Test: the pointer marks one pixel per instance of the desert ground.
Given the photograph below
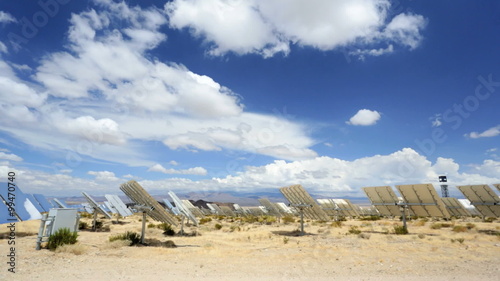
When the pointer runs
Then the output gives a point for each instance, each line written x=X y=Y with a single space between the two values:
x=464 y=249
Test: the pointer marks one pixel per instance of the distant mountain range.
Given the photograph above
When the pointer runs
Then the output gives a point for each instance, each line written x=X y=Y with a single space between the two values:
x=243 y=199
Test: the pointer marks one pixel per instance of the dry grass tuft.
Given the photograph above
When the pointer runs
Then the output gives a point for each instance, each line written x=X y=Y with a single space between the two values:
x=460 y=228
x=76 y=249
x=419 y=223
x=336 y=224
x=364 y=236
x=117 y=244
x=288 y=219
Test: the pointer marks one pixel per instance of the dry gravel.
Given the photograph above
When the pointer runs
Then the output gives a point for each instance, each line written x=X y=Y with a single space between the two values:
x=265 y=252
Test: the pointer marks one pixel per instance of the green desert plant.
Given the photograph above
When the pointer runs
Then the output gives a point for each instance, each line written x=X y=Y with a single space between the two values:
x=83 y=225
x=250 y=219
x=205 y=220
x=400 y=230
x=354 y=230
x=459 y=228
x=370 y=218
x=234 y=228
x=336 y=224
x=61 y=237
x=218 y=226
x=85 y=215
x=133 y=237
x=288 y=219
x=470 y=225
x=436 y=226
x=167 y=229
x=364 y=235
x=267 y=220
x=98 y=225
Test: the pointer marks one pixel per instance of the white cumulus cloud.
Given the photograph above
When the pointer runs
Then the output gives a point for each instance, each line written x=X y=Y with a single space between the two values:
x=191 y=171
x=320 y=175
x=364 y=117
x=10 y=157
x=491 y=132
x=104 y=130
x=267 y=27
x=105 y=176
x=6 y=17
x=105 y=96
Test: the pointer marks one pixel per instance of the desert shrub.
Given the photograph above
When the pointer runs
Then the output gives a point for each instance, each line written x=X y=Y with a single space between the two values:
x=354 y=230
x=470 y=225
x=400 y=230
x=285 y=240
x=419 y=223
x=167 y=229
x=421 y=236
x=98 y=225
x=267 y=220
x=133 y=237
x=86 y=215
x=459 y=228
x=250 y=219
x=220 y=217
x=218 y=226
x=61 y=237
x=370 y=218
x=234 y=228
x=288 y=219
x=151 y=225
x=436 y=226
x=489 y=219
x=364 y=235
x=205 y=220
x=336 y=224
x=83 y=225
x=169 y=244
x=446 y=224
x=490 y=232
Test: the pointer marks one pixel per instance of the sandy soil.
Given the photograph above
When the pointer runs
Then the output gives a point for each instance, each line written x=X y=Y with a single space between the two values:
x=253 y=251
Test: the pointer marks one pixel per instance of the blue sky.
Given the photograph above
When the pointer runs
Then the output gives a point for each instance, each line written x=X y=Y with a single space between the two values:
x=244 y=96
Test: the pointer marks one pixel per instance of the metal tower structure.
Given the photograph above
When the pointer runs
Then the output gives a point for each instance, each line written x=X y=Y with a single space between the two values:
x=444 y=186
